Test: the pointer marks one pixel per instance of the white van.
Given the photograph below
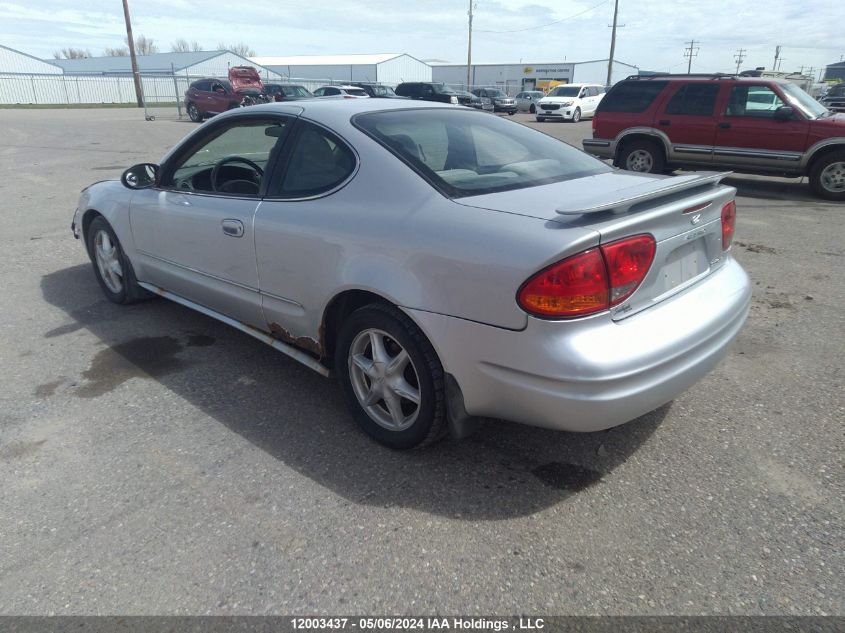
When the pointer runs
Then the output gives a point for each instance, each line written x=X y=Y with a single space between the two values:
x=570 y=102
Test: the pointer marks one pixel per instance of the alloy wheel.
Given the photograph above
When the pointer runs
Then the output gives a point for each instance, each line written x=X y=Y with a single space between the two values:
x=107 y=256
x=384 y=379
x=833 y=177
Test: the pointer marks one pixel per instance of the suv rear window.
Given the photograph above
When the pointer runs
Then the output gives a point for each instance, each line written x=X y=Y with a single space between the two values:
x=631 y=96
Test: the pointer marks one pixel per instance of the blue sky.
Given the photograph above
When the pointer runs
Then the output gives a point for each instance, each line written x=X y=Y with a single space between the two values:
x=653 y=37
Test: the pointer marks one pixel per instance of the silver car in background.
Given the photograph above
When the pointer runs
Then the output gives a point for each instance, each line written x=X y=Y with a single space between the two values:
x=443 y=264
x=527 y=101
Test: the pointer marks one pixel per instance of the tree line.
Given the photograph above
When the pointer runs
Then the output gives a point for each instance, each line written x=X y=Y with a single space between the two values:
x=147 y=46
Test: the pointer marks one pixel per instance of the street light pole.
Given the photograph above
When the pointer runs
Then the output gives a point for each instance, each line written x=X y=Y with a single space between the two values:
x=139 y=93
x=612 y=44
x=469 y=46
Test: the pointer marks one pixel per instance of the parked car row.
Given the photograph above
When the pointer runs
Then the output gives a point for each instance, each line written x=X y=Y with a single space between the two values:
x=745 y=124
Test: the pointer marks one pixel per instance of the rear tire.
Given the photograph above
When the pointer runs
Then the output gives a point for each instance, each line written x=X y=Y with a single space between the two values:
x=827 y=177
x=532 y=109
x=642 y=156
x=194 y=113
x=112 y=268
x=391 y=378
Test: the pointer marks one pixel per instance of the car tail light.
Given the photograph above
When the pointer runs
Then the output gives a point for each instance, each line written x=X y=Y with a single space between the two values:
x=589 y=282
x=728 y=224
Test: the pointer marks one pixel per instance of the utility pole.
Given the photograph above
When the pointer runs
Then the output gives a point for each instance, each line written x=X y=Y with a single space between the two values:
x=691 y=51
x=740 y=55
x=612 y=44
x=777 y=57
x=139 y=93
x=469 y=46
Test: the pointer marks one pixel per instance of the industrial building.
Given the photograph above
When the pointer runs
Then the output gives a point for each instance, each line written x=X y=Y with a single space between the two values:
x=513 y=78
x=835 y=71
x=192 y=64
x=12 y=61
x=386 y=68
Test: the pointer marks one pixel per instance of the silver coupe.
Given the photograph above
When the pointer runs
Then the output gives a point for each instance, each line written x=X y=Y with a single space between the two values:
x=443 y=264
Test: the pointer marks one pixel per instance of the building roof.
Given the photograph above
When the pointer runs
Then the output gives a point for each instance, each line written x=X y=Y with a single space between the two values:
x=590 y=61
x=159 y=62
x=325 y=60
x=51 y=62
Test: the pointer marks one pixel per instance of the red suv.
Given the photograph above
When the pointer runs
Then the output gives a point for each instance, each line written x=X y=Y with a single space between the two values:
x=208 y=97
x=744 y=124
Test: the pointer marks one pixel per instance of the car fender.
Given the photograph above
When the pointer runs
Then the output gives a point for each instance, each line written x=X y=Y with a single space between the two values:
x=110 y=199
x=814 y=149
x=642 y=131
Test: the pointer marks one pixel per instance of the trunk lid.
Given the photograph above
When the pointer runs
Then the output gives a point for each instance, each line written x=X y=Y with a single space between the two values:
x=682 y=213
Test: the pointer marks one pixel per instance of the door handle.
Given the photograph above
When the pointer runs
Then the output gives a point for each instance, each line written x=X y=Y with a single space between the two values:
x=724 y=126
x=664 y=122
x=233 y=228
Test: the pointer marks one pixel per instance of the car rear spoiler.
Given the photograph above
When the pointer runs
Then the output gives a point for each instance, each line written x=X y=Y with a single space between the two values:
x=622 y=200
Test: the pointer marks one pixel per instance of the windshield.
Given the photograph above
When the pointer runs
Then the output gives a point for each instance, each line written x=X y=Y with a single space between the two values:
x=802 y=101
x=836 y=91
x=565 y=91
x=295 y=91
x=467 y=153
x=383 y=91
x=496 y=93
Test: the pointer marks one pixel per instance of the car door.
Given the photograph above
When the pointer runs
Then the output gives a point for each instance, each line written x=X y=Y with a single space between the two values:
x=218 y=98
x=749 y=134
x=194 y=233
x=686 y=116
x=295 y=228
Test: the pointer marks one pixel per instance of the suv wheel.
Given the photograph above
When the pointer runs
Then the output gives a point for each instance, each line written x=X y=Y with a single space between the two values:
x=532 y=109
x=576 y=116
x=642 y=156
x=194 y=113
x=827 y=177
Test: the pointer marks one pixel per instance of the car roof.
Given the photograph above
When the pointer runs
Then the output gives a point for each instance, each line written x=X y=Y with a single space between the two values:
x=706 y=78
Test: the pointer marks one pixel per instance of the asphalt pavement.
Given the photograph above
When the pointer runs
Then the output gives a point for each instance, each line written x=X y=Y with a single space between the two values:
x=155 y=461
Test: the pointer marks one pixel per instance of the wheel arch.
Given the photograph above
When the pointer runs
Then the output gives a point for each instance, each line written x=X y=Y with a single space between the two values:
x=339 y=307
x=640 y=134
x=820 y=150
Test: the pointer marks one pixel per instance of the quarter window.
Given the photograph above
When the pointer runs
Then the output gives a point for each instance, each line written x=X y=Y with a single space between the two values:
x=631 y=96
x=319 y=162
x=694 y=100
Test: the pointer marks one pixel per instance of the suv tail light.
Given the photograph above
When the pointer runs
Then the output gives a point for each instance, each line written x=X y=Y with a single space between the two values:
x=728 y=224
x=595 y=117
x=589 y=282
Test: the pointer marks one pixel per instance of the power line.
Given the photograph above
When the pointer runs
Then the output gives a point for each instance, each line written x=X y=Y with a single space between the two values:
x=540 y=26
x=740 y=55
x=690 y=52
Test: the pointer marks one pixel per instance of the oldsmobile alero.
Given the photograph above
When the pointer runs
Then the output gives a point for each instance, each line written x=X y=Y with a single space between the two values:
x=444 y=264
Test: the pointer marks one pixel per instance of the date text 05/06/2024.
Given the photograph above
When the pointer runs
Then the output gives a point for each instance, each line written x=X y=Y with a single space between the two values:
x=418 y=623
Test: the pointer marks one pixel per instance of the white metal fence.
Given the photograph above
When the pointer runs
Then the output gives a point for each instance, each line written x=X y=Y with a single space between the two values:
x=163 y=90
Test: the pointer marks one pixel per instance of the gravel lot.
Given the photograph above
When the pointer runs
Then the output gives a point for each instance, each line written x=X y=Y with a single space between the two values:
x=155 y=461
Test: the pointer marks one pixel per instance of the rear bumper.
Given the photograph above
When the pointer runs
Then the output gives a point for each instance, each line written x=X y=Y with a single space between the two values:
x=593 y=373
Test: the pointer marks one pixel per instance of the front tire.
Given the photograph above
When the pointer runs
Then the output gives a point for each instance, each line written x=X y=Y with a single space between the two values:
x=642 y=156
x=576 y=116
x=827 y=177
x=111 y=266
x=194 y=113
x=391 y=378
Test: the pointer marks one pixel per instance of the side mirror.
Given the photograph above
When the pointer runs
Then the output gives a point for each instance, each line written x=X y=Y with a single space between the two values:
x=784 y=113
x=140 y=176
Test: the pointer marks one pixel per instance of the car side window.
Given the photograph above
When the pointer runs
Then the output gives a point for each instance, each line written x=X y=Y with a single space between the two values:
x=217 y=87
x=232 y=161
x=694 y=100
x=318 y=162
x=631 y=96
x=754 y=101
x=332 y=91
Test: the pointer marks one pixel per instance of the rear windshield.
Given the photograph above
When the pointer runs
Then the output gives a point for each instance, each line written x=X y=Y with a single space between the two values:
x=565 y=91
x=467 y=152
x=631 y=96
x=295 y=91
